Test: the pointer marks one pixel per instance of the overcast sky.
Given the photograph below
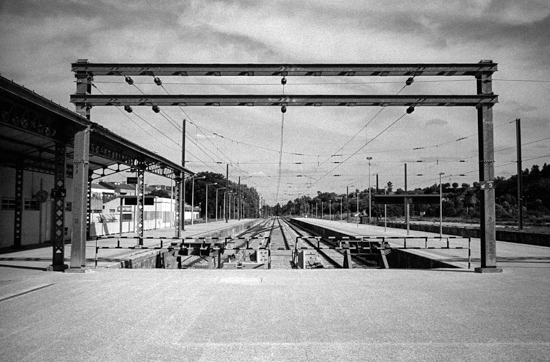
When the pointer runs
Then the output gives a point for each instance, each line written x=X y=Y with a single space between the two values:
x=40 y=39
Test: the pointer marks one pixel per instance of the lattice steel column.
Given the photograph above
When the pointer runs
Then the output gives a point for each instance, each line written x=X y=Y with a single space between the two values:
x=486 y=177
x=140 y=201
x=177 y=209
x=58 y=195
x=18 y=222
x=81 y=160
x=89 y=205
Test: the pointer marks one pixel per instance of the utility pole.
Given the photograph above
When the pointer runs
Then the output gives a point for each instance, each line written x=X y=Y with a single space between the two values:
x=406 y=203
x=226 y=190
x=347 y=199
x=182 y=203
x=239 y=202
x=370 y=202
x=520 y=175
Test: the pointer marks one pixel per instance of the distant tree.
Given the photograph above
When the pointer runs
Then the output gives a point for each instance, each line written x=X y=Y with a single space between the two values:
x=160 y=193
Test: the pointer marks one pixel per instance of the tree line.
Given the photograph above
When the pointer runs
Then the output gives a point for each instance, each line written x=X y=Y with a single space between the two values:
x=459 y=200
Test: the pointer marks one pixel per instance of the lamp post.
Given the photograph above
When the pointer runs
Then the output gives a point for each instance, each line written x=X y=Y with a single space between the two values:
x=385 y=211
x=357 y=197
x=193 y=196
x=370 y=208
x=440 y=205
x=206 y=211
x=347 y=199
x=218 y=189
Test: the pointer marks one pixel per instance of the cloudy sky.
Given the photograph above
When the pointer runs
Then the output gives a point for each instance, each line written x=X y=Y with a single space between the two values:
x=40 y=39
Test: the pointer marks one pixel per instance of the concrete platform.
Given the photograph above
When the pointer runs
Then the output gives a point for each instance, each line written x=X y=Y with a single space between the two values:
x=41 y=258
x=508 y=254
x=278 y=315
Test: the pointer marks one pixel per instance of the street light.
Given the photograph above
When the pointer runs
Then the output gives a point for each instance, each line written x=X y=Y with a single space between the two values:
x=347 y=198
x=193 y=196
x=370 y=208
x=341 y=198
x=218 y=189
x=206 y=212
x=385 y=211
x=440 y=206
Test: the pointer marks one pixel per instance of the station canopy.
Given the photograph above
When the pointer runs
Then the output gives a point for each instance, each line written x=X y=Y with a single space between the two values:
x=31 y=125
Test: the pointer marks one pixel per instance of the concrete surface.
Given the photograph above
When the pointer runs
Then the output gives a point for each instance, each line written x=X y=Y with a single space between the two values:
x=277 y=315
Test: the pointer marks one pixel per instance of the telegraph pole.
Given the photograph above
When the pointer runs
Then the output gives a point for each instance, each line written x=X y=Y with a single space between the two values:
x=182 y=202
x=520 y=175
x=226 y=189
x=406 y=202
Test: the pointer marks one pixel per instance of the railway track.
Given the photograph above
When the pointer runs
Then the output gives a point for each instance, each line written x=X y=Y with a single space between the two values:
x=285 y=253
x=290 y=247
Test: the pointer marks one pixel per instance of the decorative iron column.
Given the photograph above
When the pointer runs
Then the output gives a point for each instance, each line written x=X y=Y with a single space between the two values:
x=58 y=195
x=18 y=222
x=140 y=201
x=486 y=176
x=89 y=204
x=178 y=208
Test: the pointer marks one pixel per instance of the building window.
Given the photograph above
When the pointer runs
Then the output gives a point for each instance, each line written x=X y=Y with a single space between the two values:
x=31 y=204
x=8 y=203
x=126 y=216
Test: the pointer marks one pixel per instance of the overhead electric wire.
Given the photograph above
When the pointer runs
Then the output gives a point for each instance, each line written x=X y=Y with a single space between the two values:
x=230 y=161
x=362 y=128
x=365 y=145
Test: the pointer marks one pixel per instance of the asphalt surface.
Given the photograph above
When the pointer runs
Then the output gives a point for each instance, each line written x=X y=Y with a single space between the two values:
x=279 y=315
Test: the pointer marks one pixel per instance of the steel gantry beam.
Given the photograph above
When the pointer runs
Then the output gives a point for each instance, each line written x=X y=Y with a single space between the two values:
x=91 y=100
x=175 y=69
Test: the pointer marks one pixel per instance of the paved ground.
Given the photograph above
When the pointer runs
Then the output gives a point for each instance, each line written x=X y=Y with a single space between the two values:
x=277 y=315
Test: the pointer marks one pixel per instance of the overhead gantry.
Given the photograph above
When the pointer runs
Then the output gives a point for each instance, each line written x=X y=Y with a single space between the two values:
x=483 y=100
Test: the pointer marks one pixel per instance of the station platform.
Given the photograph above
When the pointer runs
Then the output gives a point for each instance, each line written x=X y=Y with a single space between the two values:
x=280 y=315
x=508 y=253
x=40 y=258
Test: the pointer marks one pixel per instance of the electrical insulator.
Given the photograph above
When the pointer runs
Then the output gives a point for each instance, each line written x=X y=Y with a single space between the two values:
x=158 y=81
x=129 y=80
x=283 y=109
x=128 y=109
x=283 y=81
x=410 y=109
x=156 y=109
x=409 y=81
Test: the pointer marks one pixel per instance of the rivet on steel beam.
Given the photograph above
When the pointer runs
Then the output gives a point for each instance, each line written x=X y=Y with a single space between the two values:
x=129 y=80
